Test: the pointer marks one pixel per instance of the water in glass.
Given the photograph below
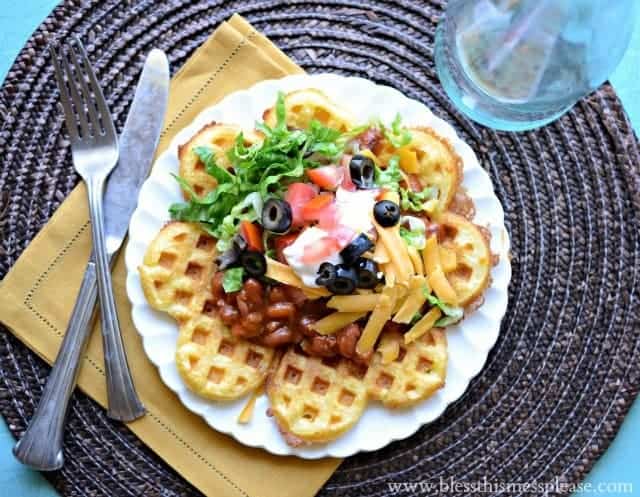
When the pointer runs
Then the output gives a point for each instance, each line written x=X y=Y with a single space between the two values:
x=519 y=64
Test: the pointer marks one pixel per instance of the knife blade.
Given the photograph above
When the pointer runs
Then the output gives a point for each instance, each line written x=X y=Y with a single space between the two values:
x=137 y=143
x=41 y=444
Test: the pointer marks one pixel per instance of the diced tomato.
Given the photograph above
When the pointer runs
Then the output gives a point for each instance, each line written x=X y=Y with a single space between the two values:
x=252 y=233
x=282 y=242
x=298 y=195
x=328 y=217
x=320 y=250
x=345 y=160
x=321 y=209
x=343 y=234
x=327 y=177
x=347 y=184
x=316 y=205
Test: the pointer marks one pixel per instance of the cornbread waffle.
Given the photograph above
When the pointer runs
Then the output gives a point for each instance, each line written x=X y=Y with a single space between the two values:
x=470 y=276
x=303 y=106
x=176 y=275
x=417 y=373
x=313 y=399
x=438 y=163
x=220 y=138
x=317 y=400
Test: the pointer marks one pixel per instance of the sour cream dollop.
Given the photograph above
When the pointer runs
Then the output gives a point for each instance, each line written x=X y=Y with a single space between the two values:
x=355 y=208
x=308 y=272
x=353 y=211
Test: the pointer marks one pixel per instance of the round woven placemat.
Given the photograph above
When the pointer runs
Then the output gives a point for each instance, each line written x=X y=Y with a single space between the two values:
x=563 y=374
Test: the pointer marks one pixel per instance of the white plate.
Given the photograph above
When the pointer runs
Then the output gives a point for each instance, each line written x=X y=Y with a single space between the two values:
x=469 y=342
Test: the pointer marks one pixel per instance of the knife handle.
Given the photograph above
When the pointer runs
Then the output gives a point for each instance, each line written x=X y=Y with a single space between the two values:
x=41 y=444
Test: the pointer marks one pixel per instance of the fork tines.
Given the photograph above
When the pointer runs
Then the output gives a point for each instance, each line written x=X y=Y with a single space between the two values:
x=80 y=94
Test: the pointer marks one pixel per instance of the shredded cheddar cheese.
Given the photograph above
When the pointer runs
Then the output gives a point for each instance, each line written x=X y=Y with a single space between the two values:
x=336 y=321
x=285 y=274
x=354 y=303
x=377 y=320
x=435 y=275
x=247 y=411
x=414 y=301
x=421 y=327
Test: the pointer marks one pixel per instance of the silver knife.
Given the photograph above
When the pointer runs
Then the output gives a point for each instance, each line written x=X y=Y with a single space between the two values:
x=40 y=447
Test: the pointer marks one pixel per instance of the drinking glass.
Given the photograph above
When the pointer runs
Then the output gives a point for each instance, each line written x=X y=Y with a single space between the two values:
x=519 y=64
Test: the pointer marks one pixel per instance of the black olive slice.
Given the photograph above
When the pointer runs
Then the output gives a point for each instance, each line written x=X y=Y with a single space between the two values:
x=362 y=170
x=358 y=246
x=276 y=216
x=344 y=282
x=387 y=213
x=326 y=273
x=368 y=273
x=253 y=262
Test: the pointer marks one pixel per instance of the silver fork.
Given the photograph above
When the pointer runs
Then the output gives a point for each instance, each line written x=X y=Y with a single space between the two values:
x=94 y=148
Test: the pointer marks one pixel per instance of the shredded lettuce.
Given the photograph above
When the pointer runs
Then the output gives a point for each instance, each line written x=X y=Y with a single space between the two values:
x=452 y=314
x=414 y=201
x=250 y=209
x=412 y=231
x=446 y=321
x=390 y=176
x=260 y=171
x=208 y=210
x=398 y=135
x=232 y=281
x=414 y=238
x=208 y=158
x=324 y=141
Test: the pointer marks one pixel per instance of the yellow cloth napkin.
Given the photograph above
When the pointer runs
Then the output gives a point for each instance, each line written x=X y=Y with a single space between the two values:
x=37 y=296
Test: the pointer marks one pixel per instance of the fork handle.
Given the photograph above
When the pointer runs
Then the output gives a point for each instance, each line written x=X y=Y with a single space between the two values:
x=123 y=401
x=41 y=444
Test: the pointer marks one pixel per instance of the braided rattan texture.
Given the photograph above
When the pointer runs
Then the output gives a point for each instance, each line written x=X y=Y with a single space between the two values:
x=564 y=372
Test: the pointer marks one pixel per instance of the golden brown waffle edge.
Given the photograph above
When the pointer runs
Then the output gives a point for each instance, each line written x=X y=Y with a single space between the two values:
x=176 y=275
